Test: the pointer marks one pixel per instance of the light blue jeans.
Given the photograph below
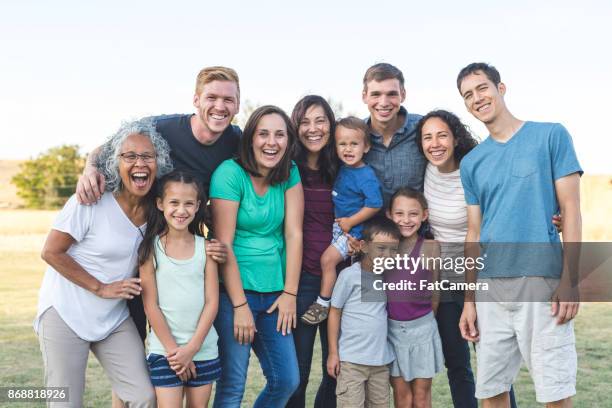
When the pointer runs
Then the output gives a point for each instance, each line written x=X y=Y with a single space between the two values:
x=276 y=354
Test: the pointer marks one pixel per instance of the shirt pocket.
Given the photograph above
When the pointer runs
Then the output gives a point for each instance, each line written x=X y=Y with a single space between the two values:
x=523 y=168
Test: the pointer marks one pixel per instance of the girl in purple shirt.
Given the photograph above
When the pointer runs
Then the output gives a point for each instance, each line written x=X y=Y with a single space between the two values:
x=412 y=329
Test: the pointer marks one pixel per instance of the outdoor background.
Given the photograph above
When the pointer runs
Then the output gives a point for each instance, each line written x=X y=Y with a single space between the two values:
x=72 y=71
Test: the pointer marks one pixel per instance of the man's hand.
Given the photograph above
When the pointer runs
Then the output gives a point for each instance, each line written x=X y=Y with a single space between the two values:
x=90 y=186
x=333 y=365
x=565 y=303
x=467 y=323
x=217 y=250
x=345 y=224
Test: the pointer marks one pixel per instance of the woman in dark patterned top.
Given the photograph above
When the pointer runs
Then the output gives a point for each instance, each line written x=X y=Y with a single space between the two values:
x=317 y=161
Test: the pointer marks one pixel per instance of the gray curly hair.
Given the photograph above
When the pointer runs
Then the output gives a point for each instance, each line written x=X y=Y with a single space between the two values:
x=107 y=161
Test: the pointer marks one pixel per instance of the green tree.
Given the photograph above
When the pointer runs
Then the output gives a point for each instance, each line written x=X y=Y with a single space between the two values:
x=50 y=179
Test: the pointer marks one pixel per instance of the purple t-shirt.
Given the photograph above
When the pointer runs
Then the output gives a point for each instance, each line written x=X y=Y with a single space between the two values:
x=408 y=304
x=318 y=219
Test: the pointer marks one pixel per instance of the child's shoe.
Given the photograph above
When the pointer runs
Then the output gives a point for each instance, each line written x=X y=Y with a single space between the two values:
x=315 y=314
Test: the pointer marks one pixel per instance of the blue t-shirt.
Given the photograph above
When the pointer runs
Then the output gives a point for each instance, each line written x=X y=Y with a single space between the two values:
x=355 y=188
x=514 y=185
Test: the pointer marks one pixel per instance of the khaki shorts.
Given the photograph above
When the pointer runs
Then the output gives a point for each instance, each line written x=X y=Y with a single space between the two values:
x=511 y=332
x=362 y=386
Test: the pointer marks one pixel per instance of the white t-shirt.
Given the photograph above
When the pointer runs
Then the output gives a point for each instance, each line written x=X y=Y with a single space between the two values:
x=106 y=247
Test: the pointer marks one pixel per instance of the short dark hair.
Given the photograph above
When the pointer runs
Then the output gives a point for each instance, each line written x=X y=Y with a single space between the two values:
x=380 y=72
x=489 y=70
x=461 y=133
x=246 y=156
x=328 y=159
x=380 y=225
x=354 y=123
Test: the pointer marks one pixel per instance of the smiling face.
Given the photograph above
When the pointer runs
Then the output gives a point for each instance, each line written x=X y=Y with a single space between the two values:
x=351 y=145
x=482 y=98
x=216 y=106
x=179 y=204
x=137 y=177
x=438 y=144
x=314 y=128
x=269 y=142
x=408 y=214
x=384 y=99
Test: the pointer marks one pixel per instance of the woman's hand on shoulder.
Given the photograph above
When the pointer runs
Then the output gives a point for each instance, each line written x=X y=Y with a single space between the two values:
x=353 y=245
x=287 y=314
x=217 y=250
x=122 y=289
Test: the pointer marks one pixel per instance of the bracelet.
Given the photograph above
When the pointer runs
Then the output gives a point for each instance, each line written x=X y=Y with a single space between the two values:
x=289 y=293
x=240 y=305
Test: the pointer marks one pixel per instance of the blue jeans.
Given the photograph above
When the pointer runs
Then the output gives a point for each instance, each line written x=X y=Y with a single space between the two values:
x=457 y=353
x=304 y=337
x=276 y=354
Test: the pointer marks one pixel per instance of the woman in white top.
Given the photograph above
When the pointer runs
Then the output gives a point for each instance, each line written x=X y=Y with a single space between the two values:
x=92 y=257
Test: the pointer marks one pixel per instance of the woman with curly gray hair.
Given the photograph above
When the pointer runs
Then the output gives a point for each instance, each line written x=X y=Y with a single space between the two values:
x=92 y=254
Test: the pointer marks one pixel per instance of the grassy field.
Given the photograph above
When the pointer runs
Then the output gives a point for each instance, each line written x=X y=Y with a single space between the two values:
x=23 y=232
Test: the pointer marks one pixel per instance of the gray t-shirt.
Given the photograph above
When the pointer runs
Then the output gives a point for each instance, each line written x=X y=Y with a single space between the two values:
x=363 y=328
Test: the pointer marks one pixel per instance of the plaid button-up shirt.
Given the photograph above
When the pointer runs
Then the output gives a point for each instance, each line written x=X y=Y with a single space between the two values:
x=401 y=164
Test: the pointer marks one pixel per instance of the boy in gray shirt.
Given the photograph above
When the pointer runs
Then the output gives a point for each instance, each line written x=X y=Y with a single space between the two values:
x=357 y=329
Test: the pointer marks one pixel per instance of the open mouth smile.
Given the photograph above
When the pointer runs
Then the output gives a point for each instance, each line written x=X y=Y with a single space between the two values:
x=140 y=179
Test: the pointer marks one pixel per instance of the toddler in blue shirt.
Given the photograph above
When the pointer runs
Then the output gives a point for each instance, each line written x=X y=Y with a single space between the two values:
x=357 y=197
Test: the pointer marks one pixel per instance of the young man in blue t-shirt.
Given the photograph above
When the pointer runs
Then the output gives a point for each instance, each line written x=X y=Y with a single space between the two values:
x=514 y=182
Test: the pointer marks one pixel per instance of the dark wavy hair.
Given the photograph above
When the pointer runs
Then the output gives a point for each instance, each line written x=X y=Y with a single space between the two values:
x=328 y=159
x=246 y=156
x=461 y=133
x=425 y=230
x=156 y=223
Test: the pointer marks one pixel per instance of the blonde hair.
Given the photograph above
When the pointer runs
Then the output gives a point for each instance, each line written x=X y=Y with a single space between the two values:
x=217 y=73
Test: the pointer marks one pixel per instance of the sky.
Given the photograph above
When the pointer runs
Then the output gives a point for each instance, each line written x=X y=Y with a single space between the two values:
x=72 y=71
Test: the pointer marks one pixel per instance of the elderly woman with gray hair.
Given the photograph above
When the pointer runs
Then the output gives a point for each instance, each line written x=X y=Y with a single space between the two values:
x=92 y=257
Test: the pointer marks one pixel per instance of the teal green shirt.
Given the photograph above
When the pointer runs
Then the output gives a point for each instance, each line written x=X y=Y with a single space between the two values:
x=259 y=243
x=180 y=295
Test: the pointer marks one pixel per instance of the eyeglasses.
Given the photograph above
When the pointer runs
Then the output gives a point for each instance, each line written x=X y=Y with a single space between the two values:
x=131 y=157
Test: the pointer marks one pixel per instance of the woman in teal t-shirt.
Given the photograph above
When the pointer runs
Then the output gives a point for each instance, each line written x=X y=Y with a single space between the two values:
x=258 y=205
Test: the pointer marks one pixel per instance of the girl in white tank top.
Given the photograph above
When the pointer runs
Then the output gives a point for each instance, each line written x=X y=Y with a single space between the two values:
x=180 y=291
